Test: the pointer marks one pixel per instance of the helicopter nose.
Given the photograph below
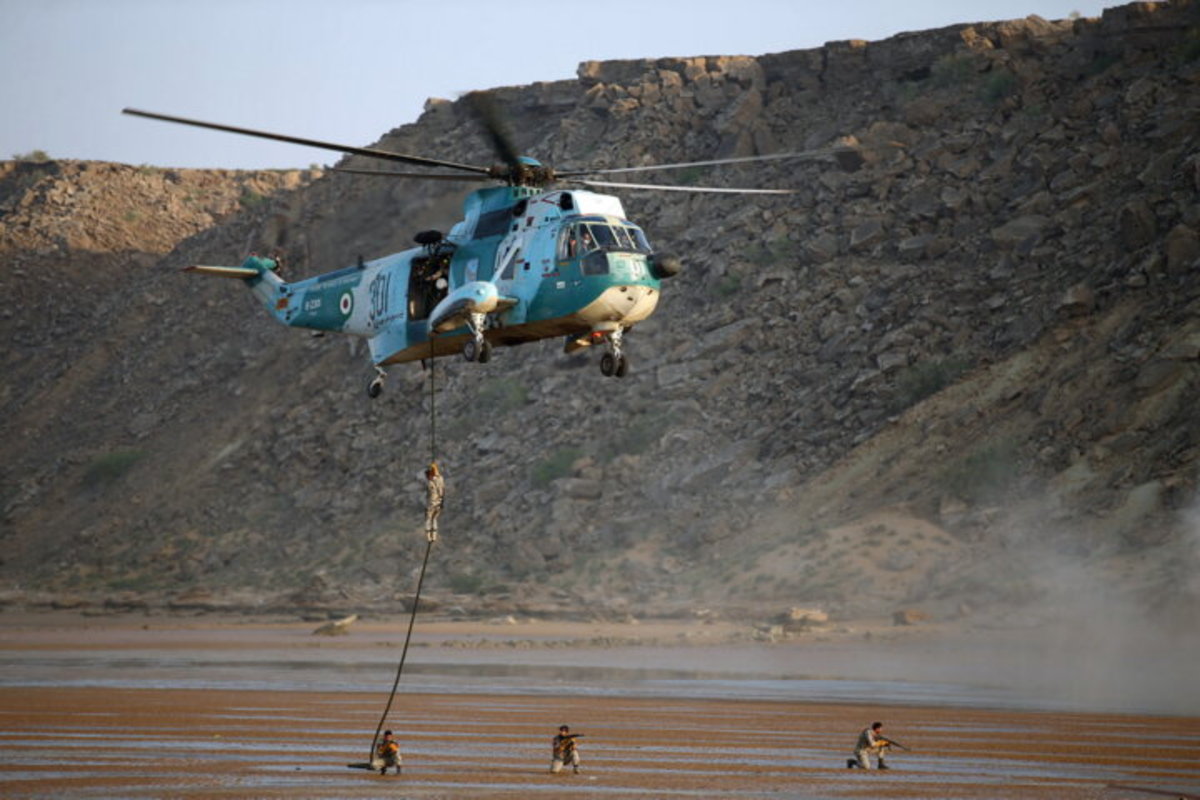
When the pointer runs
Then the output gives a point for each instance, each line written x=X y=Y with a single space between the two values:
x=623 y=304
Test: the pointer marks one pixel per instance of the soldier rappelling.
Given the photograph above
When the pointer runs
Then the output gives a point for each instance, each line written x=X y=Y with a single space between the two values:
x=435 y=498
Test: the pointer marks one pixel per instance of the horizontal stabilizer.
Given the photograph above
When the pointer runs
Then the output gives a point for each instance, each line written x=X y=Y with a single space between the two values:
x=224 y=272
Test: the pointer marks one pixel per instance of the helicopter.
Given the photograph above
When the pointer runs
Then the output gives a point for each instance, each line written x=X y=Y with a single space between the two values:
x=528 y=261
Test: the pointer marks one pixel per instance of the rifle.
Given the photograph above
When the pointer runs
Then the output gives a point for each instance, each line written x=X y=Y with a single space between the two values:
x=890 y=742
x=568 y=741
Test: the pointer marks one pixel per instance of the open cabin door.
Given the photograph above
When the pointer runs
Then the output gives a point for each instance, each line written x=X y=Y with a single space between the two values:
x=428 y=284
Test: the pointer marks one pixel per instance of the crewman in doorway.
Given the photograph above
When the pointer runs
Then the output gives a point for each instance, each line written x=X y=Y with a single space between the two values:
x=565 y=750
x=435 y=497
x=387 y=754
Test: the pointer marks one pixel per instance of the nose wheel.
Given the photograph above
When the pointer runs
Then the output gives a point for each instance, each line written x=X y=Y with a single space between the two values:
x=480 y=351
x=613 y=362
x=611 y=365
x=477 y=348
x=375 y=387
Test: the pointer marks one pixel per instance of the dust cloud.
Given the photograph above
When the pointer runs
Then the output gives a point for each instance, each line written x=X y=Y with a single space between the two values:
x=1116 y=632
x=1050 y=622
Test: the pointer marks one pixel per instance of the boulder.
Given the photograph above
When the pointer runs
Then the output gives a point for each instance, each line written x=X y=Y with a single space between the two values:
x=337 y=627
x=1136 y=224
x=797 y=619
x=1077 y=301
x=1182 y=249
x=909 y=616
x=866 y=235
x=1020 y=230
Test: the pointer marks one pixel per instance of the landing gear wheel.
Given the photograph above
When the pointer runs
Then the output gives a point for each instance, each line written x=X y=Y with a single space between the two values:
x=375 y=388
x=608 y=365
x=622 y=367
x=470 y=350
x=485 y=352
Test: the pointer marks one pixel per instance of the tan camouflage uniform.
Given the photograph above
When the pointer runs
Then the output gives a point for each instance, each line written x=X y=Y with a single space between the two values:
x=435 y=497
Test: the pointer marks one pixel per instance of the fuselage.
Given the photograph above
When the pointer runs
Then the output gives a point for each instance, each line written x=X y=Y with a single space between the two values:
x=539 y=264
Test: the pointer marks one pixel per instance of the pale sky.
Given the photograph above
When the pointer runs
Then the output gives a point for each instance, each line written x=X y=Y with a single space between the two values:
x=348 y=71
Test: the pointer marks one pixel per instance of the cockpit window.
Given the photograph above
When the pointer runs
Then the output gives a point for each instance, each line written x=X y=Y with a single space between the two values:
x=604 y=235
x=587 y=242
x=639 y=238
x=595 y=263
x=624 y=240
x=628 y=238
x=584 y=237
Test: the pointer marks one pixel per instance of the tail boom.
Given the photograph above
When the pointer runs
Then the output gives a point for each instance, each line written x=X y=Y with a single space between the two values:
x=259 y=275
x=223 y=272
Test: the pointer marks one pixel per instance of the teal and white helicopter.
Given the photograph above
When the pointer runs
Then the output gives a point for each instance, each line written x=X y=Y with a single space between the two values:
x=528 y=261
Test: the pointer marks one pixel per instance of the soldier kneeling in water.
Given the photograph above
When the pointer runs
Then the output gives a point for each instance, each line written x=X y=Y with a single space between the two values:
x=870 y=741
x=387 y=754
x=565 y=750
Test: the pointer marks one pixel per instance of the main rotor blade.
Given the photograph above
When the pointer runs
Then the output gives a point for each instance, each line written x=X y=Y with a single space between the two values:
x=483 y=107
x=434 y=176
x=279 y=137
x=670 y=187
x=805 y=154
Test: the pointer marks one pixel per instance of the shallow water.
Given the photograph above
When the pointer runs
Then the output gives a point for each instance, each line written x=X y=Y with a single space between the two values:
x=215 y=744
x=1002 y=670
x=281 y=715
x=463 y=674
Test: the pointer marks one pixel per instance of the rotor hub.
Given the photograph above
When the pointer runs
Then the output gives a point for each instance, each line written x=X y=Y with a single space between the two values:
x=521 y=174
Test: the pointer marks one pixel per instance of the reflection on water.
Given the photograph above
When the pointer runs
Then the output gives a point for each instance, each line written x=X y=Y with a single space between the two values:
x=202 y=670
x=961 y=674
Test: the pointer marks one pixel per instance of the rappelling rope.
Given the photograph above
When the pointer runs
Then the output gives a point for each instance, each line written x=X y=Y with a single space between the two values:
x=412 y=618
x=403 y=653
x=432 y=406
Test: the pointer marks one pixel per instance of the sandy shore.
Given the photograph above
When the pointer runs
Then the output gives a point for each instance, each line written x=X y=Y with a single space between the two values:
x=83 y=728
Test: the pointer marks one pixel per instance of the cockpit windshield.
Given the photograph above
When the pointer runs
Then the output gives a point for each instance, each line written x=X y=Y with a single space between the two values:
x=581 y=238
x=603 y=235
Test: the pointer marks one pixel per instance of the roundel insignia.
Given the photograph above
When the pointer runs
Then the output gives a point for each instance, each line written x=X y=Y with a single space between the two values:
x=346 y=304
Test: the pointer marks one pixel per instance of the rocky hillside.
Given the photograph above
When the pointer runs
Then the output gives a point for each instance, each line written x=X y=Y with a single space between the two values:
x=962 y=376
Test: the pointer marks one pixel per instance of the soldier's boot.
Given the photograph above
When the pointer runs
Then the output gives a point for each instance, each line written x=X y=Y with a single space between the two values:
x=883 y=765
x=851 y=763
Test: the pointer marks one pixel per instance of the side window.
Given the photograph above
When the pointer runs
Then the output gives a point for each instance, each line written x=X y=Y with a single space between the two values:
x=511 y=266
x=493 y=223
x=568 y=244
